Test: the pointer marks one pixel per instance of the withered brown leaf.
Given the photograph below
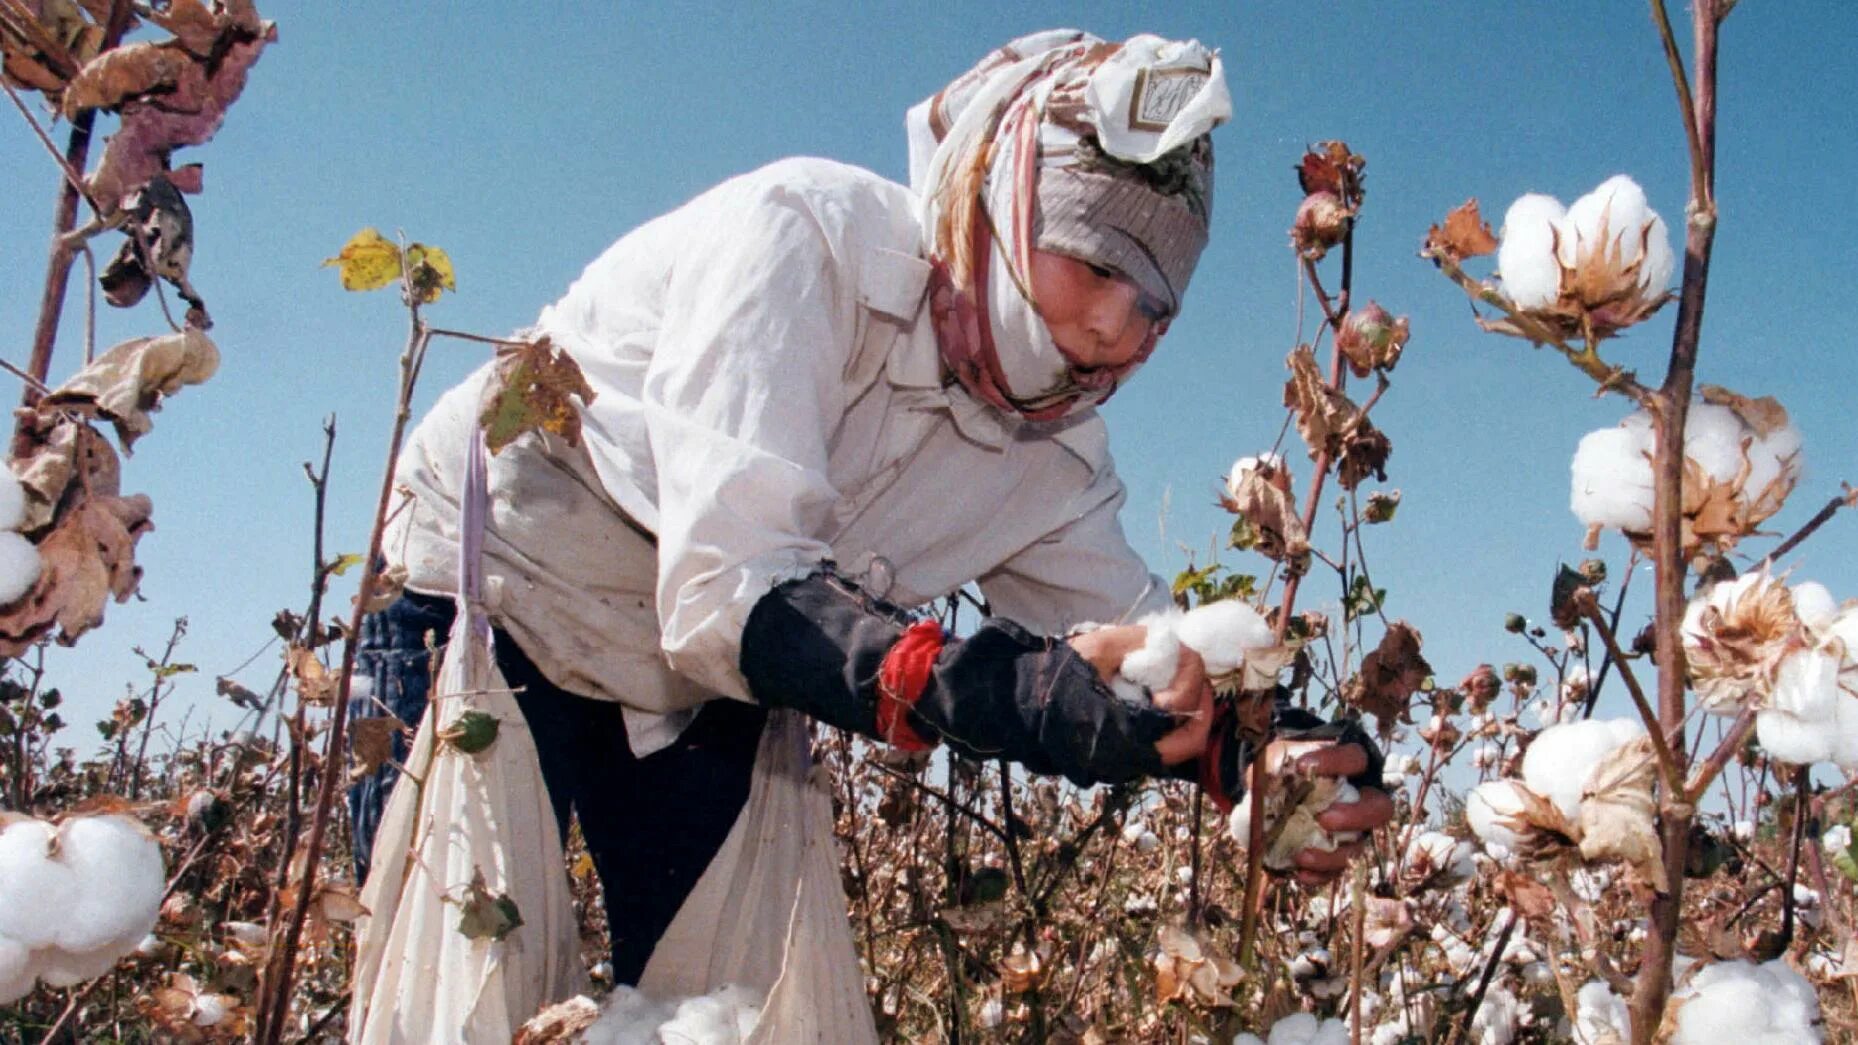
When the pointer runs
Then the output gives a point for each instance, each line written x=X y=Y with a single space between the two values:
x=126 y=383
x=1765 y=415
x=1465 y=234
x=1389 y=675
x=371 y=742
x=63 y=459
x=536 y=383
x=88 y=558
x=1262 y=497
x=1617 y=812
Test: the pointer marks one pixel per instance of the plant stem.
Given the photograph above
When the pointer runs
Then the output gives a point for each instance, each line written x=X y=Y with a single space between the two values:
x=1672 y=404
x=1661 y=743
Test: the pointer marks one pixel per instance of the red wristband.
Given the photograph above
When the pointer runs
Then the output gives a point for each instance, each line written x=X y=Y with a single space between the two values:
x=901 y=679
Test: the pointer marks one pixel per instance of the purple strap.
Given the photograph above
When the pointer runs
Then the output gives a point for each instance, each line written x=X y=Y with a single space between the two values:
x=473 y=510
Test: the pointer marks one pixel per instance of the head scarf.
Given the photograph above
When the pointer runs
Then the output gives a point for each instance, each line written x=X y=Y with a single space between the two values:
x=1062 y=142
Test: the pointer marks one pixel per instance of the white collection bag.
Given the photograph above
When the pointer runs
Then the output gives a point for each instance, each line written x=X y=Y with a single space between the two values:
x=767 y=914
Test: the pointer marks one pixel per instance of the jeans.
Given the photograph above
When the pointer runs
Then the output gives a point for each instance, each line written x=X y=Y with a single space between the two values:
x=651 y=824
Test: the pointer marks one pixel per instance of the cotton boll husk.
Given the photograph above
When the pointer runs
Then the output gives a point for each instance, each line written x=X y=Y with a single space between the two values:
x=20 y=566
x=1713 y=439
x=1612 y=480
x=1615 y=213
x=1245 y=466
x=119 y=881
x=1526 y=255
x=16 y=972
x=1153 y=666
x=1562 y=757
x=1485 y=804
x=1221 y=632
x=1813 y=604
x=36 y=892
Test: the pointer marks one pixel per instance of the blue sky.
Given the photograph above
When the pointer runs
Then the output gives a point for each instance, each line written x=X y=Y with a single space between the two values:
x=525 y=137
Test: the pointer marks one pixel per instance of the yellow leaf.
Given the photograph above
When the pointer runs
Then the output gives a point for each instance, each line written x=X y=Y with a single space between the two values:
x=368 y=261
x=430 y=271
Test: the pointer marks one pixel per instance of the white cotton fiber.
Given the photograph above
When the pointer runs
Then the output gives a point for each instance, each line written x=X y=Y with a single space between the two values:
x=1741 y=1001
x=1660 y=263
x=119 y=877
x=20 y=566
x=1495 y=1022
x=61 y=968
x=15 y=971
x=1713 y=438
x=1153 y=666
x=1221 y=632
x=1300 y=1028
x=1485 y=807
x=1771 y=456
x=1561 y=758
x=1245 y=466
x=12 y=501
x=35 y=890
x=1813 y=604
x=1438 y=853
x=725 y=1016
x=1612 y=484
x=1526 y=255
x=1602 y=1015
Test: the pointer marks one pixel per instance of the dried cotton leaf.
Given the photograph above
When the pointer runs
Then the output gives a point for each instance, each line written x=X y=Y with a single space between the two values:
x=1464 y=234
x=1617 y=813
x=535 y=388
x=127 y=383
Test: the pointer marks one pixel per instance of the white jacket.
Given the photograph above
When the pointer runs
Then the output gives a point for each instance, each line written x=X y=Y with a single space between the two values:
x=768 y=395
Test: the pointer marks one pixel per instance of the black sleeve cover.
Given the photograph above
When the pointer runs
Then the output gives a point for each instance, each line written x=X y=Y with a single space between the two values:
x=816 y=644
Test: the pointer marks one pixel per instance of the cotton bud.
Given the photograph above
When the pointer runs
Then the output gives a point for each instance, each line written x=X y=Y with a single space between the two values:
x=20 y=566
x=1322 y=220
x=1371 y=339
x=1562 y=758
x=12 y=501
x=1490 y=809
x=1836 y=839
x=1485 y=757
x=1810 y=716
x=1480 y=687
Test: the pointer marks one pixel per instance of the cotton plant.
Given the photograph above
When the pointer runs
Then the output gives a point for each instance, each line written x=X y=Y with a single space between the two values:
x=1605 y=261
x=1789 y=652
x=1741 y=460
x=75 y=897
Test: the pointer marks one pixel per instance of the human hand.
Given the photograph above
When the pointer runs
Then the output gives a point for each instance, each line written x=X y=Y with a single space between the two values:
x=1372 y=809
x=1189 y=697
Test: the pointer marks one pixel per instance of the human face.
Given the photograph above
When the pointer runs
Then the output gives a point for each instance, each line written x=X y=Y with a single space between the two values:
x=1098 y=317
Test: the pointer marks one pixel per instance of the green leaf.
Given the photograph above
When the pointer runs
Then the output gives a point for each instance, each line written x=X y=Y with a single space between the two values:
x=1191 y=579
x=487 y=915
x=341 y=564
x=168 y=671
x=471 y=732
x=369 y=261
x=1244 y=535
x=1362 y=600
x=1236 y=586
x=1381 y=507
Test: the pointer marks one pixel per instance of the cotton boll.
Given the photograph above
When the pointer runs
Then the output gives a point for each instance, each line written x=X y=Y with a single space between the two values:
x=1713 y=439
x=1738 y=1000
x=20 y=566
x=1660 y=262
x=1610 y=217
x=1487 y=804
x=1792 y=739
x=1612 y=480
x=1771 y=457
x=1301 y=1028
x=1562 y=757
x=1247 y=1038
x=62 y=968
x=1436 y=853
x=1221 y=632
x=120 y=880
x=1495 y=1022
x=1807 y=684
x=1602 y=1015
x=36 y=891
x=627 y=1017
x=16 y=972
x=1526 y=256
x=1814 y=605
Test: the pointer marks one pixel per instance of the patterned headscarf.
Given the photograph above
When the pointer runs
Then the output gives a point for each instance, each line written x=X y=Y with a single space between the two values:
x=1061 y=142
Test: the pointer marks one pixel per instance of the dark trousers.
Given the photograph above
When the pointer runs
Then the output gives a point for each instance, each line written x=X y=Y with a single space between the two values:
x=651 y=824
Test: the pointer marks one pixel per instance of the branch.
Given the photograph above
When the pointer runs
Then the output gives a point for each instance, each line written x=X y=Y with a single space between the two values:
x=1589 y=608
x=1700 y=189
x=1848 y=499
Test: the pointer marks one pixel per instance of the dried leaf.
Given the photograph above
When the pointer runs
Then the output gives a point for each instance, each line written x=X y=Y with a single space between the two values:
x=1389 y=675
x=1617 y=812
x=1364 y=452
x=195 y=27
x=535 y=389
x=1531 y=898
x=126 y=72
x=1261 y=497
x=1564 y=595
x=368 y=261
x=127 y=383
x=559 y=1023
x=1322 y=413
x=486 y=915
x=1331 y=167
x=388 y=586
x=371 y=743
x=158 y=241
x=1021 y=971
x=337 y=901
x=88 y=557
x=1465 y=234
x=315 y=686
x=63 y=459
x=187 y=114
x=341 y=564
